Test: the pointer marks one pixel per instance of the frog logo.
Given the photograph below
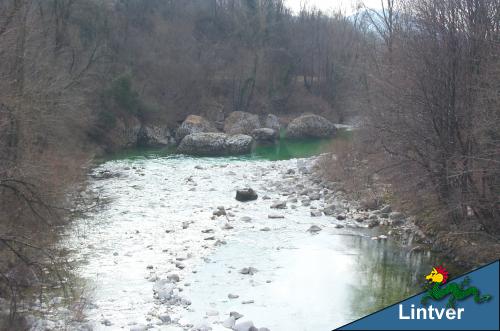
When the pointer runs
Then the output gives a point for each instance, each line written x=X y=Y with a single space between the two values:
x=436 y=290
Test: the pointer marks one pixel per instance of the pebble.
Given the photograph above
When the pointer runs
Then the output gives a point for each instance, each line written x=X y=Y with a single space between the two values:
x=314 y=196
x=243 y=326
x=233 y=296
x=248 y=271
x=227 y=226
x=265 y=229
x=236 y=315
x=314 y=229
x=329 y=210
x=279 y=205
x=275 y=216
x=246 y=302
x=173 y=278
x=316 y=213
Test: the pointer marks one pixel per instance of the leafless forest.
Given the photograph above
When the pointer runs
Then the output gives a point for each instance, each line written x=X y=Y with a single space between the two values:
x=421 y=80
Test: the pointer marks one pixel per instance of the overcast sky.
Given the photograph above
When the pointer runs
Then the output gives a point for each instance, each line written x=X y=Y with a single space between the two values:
x=347 y=6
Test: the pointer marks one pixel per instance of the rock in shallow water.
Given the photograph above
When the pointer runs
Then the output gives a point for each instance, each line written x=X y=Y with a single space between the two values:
x=246 y=219
x=173 y=278
x=236 y=315
x=239 y=144
x=329 y=210
x=314 y=229
x=248 y=271
x=316 y=213
x=310 y=126
x=165 y=318
x=265 y=135
x=246 y=194
x=215 y=144
x=244 y=326
x=279 y=205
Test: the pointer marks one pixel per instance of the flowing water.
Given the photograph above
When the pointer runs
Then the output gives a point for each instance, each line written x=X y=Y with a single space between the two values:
x=156 y=219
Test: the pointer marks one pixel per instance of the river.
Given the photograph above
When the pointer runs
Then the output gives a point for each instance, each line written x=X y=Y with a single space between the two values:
x=156 y=222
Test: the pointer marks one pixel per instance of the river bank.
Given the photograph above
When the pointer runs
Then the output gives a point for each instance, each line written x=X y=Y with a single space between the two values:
x=171 y=249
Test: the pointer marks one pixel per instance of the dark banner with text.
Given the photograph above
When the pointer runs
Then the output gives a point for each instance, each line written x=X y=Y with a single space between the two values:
x=469 y=302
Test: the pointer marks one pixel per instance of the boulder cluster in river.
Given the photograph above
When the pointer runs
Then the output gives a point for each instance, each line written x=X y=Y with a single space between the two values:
x=198 y=136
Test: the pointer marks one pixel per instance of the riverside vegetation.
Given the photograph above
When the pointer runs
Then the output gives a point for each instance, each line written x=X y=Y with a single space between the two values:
x=82 y=79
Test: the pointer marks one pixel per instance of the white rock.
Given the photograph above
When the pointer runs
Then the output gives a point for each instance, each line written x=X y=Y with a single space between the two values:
x=229 y=322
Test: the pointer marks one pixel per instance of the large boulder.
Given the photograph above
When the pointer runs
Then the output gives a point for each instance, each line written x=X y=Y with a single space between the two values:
x=203 y=143
x=194 y=124
x=265 y=135
x=124 y=134
x=215 y=144
x=272 y=122
x=310 y=126
x=239 y=144
x=240 y=122
x=151 y=136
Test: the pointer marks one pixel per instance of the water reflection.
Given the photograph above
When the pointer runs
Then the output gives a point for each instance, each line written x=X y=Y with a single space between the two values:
x=316 y=282
x=386 y=273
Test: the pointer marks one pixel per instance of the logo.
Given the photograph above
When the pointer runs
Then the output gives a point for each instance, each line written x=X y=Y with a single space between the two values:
x=437 y=290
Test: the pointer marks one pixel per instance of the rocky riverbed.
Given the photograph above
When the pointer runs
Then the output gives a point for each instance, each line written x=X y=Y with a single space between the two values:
x=172 y=249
